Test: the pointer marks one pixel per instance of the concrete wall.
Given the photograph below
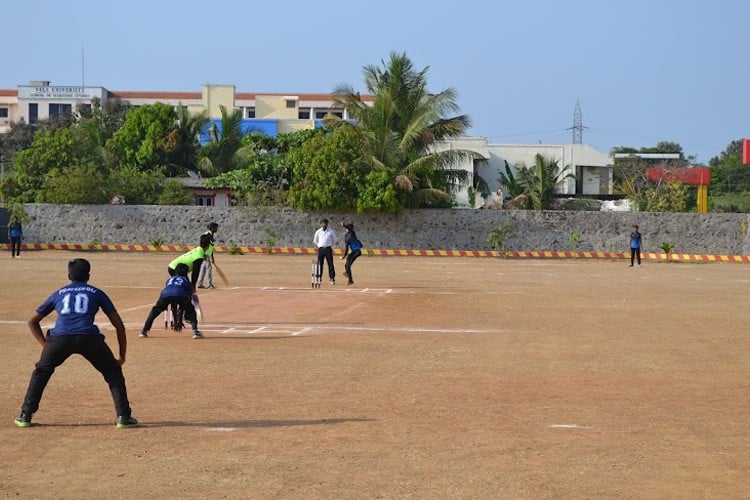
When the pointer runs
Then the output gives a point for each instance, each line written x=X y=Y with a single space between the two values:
x=411 y=229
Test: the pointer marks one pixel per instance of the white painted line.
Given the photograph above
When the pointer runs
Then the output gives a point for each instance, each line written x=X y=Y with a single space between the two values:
x=302 y=331
x=295 y=330
x=568 y=426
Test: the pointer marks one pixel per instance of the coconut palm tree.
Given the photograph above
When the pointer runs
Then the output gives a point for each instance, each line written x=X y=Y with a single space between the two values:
x=540 y=181
x=224 y=150
x=403 y=125
x=183 y=141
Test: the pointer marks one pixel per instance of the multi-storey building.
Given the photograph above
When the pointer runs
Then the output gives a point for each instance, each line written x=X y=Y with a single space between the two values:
x=272 y=113
x=268 y=113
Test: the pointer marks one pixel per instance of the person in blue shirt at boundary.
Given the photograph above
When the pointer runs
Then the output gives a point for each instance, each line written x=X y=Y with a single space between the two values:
x=15 y=235
x=636 y=243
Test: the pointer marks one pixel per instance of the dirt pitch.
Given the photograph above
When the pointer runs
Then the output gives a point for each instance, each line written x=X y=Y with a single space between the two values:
x=429 y=378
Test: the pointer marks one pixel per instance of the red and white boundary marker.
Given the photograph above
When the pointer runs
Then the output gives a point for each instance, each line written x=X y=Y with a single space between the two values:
x=392 y=253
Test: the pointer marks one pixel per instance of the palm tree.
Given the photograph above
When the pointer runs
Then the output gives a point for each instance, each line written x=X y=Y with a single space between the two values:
x=540 y=181
x=402 y=127
x=224 y=150
x=183 y=141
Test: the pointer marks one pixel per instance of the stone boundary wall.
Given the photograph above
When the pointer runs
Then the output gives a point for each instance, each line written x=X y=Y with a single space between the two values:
x=443 y=229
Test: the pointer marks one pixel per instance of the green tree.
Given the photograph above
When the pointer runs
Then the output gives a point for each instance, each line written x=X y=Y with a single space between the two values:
x=327 y=170
x=266 y=178
x=174 y=193
x=136 y=187
x=224 y=150
x=728 y=174
x=54 y=149
x=512 y=187
x=540 y=181
x=102 y=119
x=142 y=142
x=76 y=184
x=182 y=142
x=403 y=125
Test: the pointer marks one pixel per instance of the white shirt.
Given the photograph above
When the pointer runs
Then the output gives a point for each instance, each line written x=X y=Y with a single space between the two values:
x=324 y=238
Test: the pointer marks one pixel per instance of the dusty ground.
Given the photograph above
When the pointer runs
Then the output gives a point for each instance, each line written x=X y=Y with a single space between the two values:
x=429 y=378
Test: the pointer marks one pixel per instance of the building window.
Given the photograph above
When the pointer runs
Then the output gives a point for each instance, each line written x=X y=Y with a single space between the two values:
x=33 y=112
x=205 y=201
x=304 y=114
x=291 y=103
x=60 y=110
x=320 y=114
x=3 y=112
x=250 y=112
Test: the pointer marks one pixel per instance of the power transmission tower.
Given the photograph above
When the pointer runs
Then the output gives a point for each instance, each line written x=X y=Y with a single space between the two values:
x=577 y=124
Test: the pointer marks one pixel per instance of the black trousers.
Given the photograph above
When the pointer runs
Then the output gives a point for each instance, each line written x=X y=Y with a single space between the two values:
x=15 y=246
x=326 y=253
x=350 y=258
x=184 y=303
x=633 y=253
x=58 y=348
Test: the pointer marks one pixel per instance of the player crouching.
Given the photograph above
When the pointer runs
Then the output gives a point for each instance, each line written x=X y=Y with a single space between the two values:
x=178 y=291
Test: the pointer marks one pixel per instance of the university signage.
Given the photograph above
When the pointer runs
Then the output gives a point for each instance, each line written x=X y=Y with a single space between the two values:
x=69 y=92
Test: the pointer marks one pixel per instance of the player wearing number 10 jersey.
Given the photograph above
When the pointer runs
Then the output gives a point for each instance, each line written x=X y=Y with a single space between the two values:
x=75 y=333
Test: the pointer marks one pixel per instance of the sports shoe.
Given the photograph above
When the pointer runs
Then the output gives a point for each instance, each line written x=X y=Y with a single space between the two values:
x=211 y=286
x=350 y=282
x=201 y=286
x=23 y=420
x=197 y=334
x=346 y=274
x=124 y=422
x=143 y=335
x=333 y=282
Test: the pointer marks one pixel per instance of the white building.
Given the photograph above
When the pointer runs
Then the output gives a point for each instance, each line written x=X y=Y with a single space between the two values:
x=591 y=169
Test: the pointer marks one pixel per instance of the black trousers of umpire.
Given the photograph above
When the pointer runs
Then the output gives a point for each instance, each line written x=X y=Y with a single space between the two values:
x=327 y=254
x=162 y=303
x=58 y=348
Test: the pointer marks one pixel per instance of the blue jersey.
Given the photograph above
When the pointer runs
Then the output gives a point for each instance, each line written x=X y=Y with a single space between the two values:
x=14 y=230
x=635 y=240
x=351 y=241
x=76 y=306
x=177 y=286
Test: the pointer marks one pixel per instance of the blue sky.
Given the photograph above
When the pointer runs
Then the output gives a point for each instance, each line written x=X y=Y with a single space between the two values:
x=643 y=71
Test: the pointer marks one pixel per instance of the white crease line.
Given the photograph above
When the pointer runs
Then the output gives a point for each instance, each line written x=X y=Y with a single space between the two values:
x=568 y=426
x=302 y=331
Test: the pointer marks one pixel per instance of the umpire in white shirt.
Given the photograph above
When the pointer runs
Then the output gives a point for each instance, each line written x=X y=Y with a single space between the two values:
x=325 y=239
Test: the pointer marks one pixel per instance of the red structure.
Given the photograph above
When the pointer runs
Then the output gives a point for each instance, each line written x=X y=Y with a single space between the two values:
x=746 y=151
x=700 y=176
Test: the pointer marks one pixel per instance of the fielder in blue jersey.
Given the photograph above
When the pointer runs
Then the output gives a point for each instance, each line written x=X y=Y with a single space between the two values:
x=636 y=243
x=178 y=291
x=75 y=333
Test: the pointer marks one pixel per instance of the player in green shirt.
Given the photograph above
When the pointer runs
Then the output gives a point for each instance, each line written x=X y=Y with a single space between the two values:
x=193 y=259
